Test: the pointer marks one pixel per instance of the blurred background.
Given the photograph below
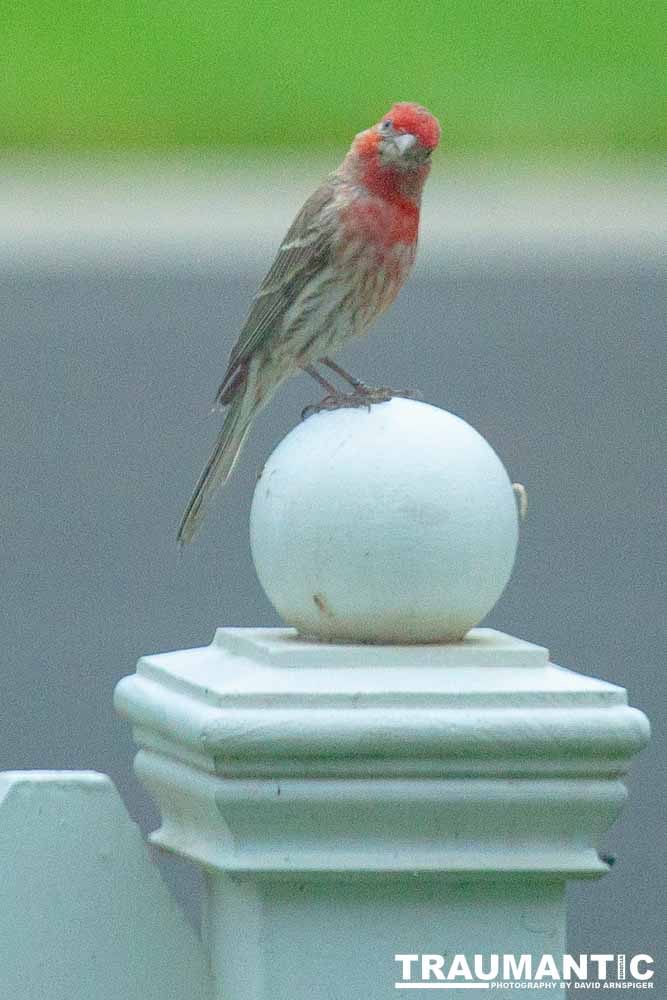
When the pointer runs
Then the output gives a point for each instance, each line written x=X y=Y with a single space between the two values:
x=152 y=155
x=515 y=77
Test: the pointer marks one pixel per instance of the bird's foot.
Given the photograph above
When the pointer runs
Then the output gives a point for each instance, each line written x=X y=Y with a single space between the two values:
x=340 y=401
x=389 y=393
x=363 y=395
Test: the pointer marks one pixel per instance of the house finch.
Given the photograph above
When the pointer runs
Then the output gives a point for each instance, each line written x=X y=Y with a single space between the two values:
x=342 y=263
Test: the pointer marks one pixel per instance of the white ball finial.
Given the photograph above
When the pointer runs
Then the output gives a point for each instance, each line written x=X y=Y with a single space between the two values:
x=396 y=524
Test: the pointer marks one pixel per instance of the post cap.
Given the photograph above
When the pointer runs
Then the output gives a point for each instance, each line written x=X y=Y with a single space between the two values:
x=390 y=524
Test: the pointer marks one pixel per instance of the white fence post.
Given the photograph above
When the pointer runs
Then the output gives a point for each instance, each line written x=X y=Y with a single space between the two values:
x=84 y=913
x=353 y=802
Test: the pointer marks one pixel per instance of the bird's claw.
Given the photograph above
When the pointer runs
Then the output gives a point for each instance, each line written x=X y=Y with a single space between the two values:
x=401 y=393
x=339 y=401
x=363 y=395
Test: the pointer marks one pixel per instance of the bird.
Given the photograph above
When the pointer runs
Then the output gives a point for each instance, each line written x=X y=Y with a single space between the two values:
x=340 y=266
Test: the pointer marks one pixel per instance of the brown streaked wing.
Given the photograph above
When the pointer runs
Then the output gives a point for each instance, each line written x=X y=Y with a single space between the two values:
x=306 y=249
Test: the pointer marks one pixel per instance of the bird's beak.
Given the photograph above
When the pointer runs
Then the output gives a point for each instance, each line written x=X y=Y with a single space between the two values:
x=404 y=142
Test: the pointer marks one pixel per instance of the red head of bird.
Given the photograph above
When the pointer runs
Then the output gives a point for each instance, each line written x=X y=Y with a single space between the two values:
x=393 y=157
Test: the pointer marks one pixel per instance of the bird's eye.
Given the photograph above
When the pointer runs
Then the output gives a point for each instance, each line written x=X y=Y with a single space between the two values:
x=386 y=125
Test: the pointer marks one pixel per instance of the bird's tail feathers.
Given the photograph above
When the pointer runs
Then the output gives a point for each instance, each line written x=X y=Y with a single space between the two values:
x=241 y=411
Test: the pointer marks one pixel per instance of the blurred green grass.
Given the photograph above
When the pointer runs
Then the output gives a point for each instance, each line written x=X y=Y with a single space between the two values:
x=556 y=76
